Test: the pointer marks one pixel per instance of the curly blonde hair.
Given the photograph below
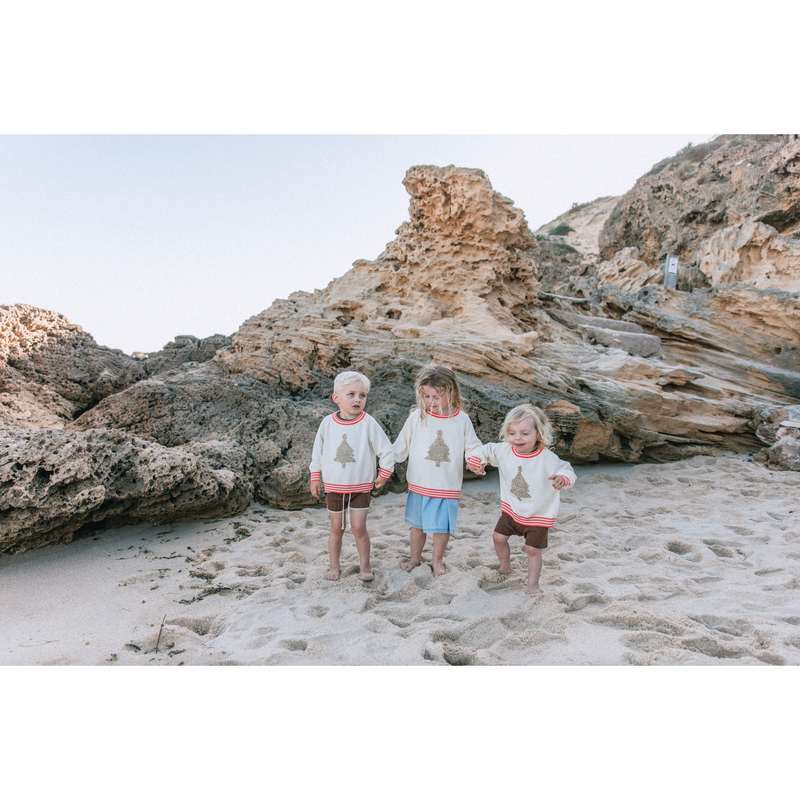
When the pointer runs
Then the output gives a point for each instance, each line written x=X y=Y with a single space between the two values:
x=544 y=428
x=438 y=376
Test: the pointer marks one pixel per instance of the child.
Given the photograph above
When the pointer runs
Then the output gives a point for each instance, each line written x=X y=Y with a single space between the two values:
x=434 y=439
x=529 y=504
x=345 y=448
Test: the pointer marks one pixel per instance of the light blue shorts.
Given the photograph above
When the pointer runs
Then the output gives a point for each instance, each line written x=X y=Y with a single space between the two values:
x=431 y=514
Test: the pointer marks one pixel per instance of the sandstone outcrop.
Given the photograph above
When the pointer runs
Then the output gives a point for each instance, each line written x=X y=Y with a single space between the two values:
x=628 y=272
x=54 y=483
x=711 y=195
x=752 y=253
x=52 y=371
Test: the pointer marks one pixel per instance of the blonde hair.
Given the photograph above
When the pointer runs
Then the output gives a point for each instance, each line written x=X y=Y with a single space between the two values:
x=438 y=376
x=343 y=378
x=544 y=429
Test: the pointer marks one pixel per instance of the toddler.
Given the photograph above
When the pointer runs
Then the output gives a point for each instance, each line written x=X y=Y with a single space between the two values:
x=343 y=458
x=531 y=477
x=435 y=439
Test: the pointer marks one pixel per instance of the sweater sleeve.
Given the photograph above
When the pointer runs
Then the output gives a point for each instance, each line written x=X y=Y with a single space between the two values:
x=382 y=448
x=473 y=449
x=316 y=455
x=565 y=470
x=489 y=454
x=402 y=444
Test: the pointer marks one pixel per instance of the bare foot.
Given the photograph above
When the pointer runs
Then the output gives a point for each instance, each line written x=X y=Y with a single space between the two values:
x=365 y=576
x=332 y=575
x=504 y=571
x=438 y=569
x=409 y=565
x=534 y=590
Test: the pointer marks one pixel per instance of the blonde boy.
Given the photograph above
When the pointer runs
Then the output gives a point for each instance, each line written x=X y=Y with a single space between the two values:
x=343 y=461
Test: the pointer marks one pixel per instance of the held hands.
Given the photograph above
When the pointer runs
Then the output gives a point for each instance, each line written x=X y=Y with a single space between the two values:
x=316 y=488
x=379 y=481
x=558 y=481
x=481 y=470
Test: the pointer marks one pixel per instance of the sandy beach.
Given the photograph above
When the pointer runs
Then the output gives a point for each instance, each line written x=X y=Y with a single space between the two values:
x=695 y=562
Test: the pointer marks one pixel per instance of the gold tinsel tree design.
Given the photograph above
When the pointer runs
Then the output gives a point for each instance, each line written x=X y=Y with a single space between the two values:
x=438 y=451
x=344 y=453
x=519 y=486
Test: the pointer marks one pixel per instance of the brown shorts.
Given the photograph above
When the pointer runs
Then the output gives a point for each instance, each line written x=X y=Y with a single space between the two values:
x=338 y=502
x=535 y=536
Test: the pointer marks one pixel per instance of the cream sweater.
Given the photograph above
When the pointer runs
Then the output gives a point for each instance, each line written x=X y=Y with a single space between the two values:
x=435 y=450
x=526 y=494
x=344 y=453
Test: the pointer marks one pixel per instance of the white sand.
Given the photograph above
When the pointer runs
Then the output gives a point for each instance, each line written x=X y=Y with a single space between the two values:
x=696 y=562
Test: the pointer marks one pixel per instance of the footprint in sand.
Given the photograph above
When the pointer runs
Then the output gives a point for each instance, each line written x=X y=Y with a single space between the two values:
x=294 y=644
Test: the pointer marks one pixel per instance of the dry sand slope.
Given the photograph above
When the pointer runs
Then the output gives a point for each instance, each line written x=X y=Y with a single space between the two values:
x=696 y=562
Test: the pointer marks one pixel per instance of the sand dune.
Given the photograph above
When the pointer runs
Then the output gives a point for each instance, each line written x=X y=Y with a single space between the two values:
x=696 y=562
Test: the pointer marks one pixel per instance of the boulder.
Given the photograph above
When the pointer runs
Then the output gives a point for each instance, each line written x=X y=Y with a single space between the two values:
x=56 y=484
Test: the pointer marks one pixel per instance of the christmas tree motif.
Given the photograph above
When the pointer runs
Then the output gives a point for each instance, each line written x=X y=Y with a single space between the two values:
x=519 y=486
x=344 y=453
x=438 y=451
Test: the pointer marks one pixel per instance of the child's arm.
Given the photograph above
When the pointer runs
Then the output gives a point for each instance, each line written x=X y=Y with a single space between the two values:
x=565 y=476
x=473 y=450
x=403 y=443
x=316 y=464
x=485 y=456
x=382 y=447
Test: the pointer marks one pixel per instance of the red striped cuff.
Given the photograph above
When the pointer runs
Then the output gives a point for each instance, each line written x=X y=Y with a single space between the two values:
x=316 y=476
x=442 y=494
x=355 y=489
x=476 y=461
x=385 y=473
x=567 y=481
x=539 y=522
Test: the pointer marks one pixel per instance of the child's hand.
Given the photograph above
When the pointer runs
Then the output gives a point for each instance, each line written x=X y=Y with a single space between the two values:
x=480 y=470
x=379 y=481
x=558 y=481
x=316 y=488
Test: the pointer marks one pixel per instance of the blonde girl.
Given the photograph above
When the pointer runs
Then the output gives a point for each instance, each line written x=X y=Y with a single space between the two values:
x=436 y=439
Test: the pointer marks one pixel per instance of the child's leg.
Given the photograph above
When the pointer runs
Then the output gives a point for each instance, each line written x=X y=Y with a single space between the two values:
x=358 y=524
x=534 y=568
x=417 y=542
x=334 y=546
x=503 y=550
x=440 y=541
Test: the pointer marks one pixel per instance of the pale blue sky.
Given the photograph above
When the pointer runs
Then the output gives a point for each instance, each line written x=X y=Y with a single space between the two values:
x=140 y=238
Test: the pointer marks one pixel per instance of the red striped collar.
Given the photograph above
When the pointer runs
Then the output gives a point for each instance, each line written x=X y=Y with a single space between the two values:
x=526 y=455
x=443 y=416
x=348 y=421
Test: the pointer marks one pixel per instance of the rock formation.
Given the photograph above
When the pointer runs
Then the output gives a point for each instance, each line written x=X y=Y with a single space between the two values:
x=572 y=318
x=731 y=203
x=55 y=483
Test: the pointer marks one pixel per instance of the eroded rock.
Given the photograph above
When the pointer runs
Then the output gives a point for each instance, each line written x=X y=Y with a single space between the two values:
x=55 y=483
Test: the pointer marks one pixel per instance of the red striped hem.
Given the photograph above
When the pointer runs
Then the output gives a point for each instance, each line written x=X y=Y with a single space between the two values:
x=338 y=489
x=441 y=494
x=348 y=421
x=539 y=522
x=526 y=455
x=385 y=473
